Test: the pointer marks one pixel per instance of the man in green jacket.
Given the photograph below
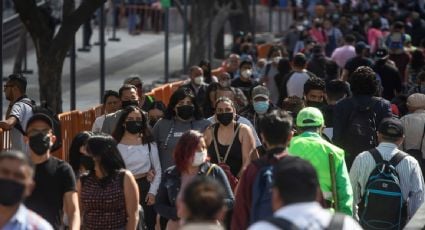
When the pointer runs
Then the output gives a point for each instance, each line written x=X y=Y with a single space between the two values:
x=327 y=159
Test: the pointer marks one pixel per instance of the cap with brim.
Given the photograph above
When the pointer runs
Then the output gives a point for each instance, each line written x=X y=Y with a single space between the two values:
x=261 y=95
x=260 y=91
x=310 y=117
x=391 y=127
x=40 y=117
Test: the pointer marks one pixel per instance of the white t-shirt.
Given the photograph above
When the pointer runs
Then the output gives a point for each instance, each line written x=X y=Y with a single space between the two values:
x=138 y=160
x=307 y=215
x=98 y=123
x=295 y=84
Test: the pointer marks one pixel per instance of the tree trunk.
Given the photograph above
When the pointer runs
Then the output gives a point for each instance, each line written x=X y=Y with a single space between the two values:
x=242 y=21
x=51 y=48
x=219 y=45
x=17 y=66
x=201 y=14
x=50 y=83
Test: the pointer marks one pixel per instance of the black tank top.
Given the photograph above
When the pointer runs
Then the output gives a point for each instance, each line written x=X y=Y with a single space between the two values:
x=234 y=160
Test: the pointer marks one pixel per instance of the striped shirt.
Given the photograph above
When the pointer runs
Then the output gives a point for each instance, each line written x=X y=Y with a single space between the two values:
x=413 y=125
x=411 y=179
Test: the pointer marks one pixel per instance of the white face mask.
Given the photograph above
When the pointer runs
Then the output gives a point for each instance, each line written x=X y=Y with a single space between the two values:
x=246 y=73
x=198 y=80
x=199 y=158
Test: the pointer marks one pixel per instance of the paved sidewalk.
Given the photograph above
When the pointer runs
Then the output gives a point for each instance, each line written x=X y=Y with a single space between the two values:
x=142 y=54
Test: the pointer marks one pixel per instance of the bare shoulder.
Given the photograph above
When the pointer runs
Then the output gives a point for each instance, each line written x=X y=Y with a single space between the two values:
x=245 y=128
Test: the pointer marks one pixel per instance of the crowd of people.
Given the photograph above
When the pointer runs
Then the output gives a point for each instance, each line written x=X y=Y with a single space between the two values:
x=325 y=133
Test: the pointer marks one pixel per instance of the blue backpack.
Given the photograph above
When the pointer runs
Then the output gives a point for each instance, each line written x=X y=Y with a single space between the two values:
x=262 y=192
x=382 y=205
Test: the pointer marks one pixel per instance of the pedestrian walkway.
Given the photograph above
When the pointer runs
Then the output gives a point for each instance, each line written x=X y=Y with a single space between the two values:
x=142 y=54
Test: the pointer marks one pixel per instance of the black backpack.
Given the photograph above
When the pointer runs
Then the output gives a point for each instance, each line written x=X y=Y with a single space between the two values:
x=382 y=205
x=337 y=222
x=48 y=112
x=361 y=130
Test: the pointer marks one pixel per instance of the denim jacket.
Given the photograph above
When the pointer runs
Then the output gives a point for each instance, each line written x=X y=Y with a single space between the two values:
x=170 y=185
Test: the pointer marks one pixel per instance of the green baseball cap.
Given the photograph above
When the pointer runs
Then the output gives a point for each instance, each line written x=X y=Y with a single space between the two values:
x=310 y=117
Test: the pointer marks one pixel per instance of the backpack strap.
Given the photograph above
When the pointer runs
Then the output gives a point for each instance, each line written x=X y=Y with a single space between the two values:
x=337 y=222
x=397 y=158
x=228 y=148
x=281 y=223
x=376 y=156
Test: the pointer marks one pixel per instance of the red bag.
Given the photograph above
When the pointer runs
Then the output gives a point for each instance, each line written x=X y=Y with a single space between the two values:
x=233 y=181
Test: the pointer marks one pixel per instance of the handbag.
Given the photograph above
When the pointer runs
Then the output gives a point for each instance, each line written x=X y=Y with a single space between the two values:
x=233 y=181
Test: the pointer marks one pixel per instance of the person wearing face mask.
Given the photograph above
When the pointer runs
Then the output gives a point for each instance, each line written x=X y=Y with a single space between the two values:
x=315 y=93
x=182 y=114
x=129 y=97
x=145 y=101
x=260 y=105
x=229 y=142
x=16 y=184
x=245 y=82
x=80 y=162
x=236 y=94
x=140 y=155
x=190 y=154
x=206 y=68
x=55 y=180
x=197 y=85
x=108 y=195
x=274 y=56
x=156 y=113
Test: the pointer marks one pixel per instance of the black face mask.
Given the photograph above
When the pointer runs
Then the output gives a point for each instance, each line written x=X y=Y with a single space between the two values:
x=39 y=143
x=87 y=162
x=315 y=104
x=185 y=112
x=126 y=104
x=225 y=118
x=133 y=127
x=11 y=192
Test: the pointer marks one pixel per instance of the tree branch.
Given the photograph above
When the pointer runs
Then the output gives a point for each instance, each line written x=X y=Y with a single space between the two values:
x=70 y=24
x=35 y=21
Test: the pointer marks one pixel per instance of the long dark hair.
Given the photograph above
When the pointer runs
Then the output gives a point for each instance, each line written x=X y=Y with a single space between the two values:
x=120 y=130
x=104 y=147
x=74 y=151
x=177 y=96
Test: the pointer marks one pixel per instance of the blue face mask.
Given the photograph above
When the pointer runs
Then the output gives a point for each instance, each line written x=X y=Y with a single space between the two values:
x=261 y=107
